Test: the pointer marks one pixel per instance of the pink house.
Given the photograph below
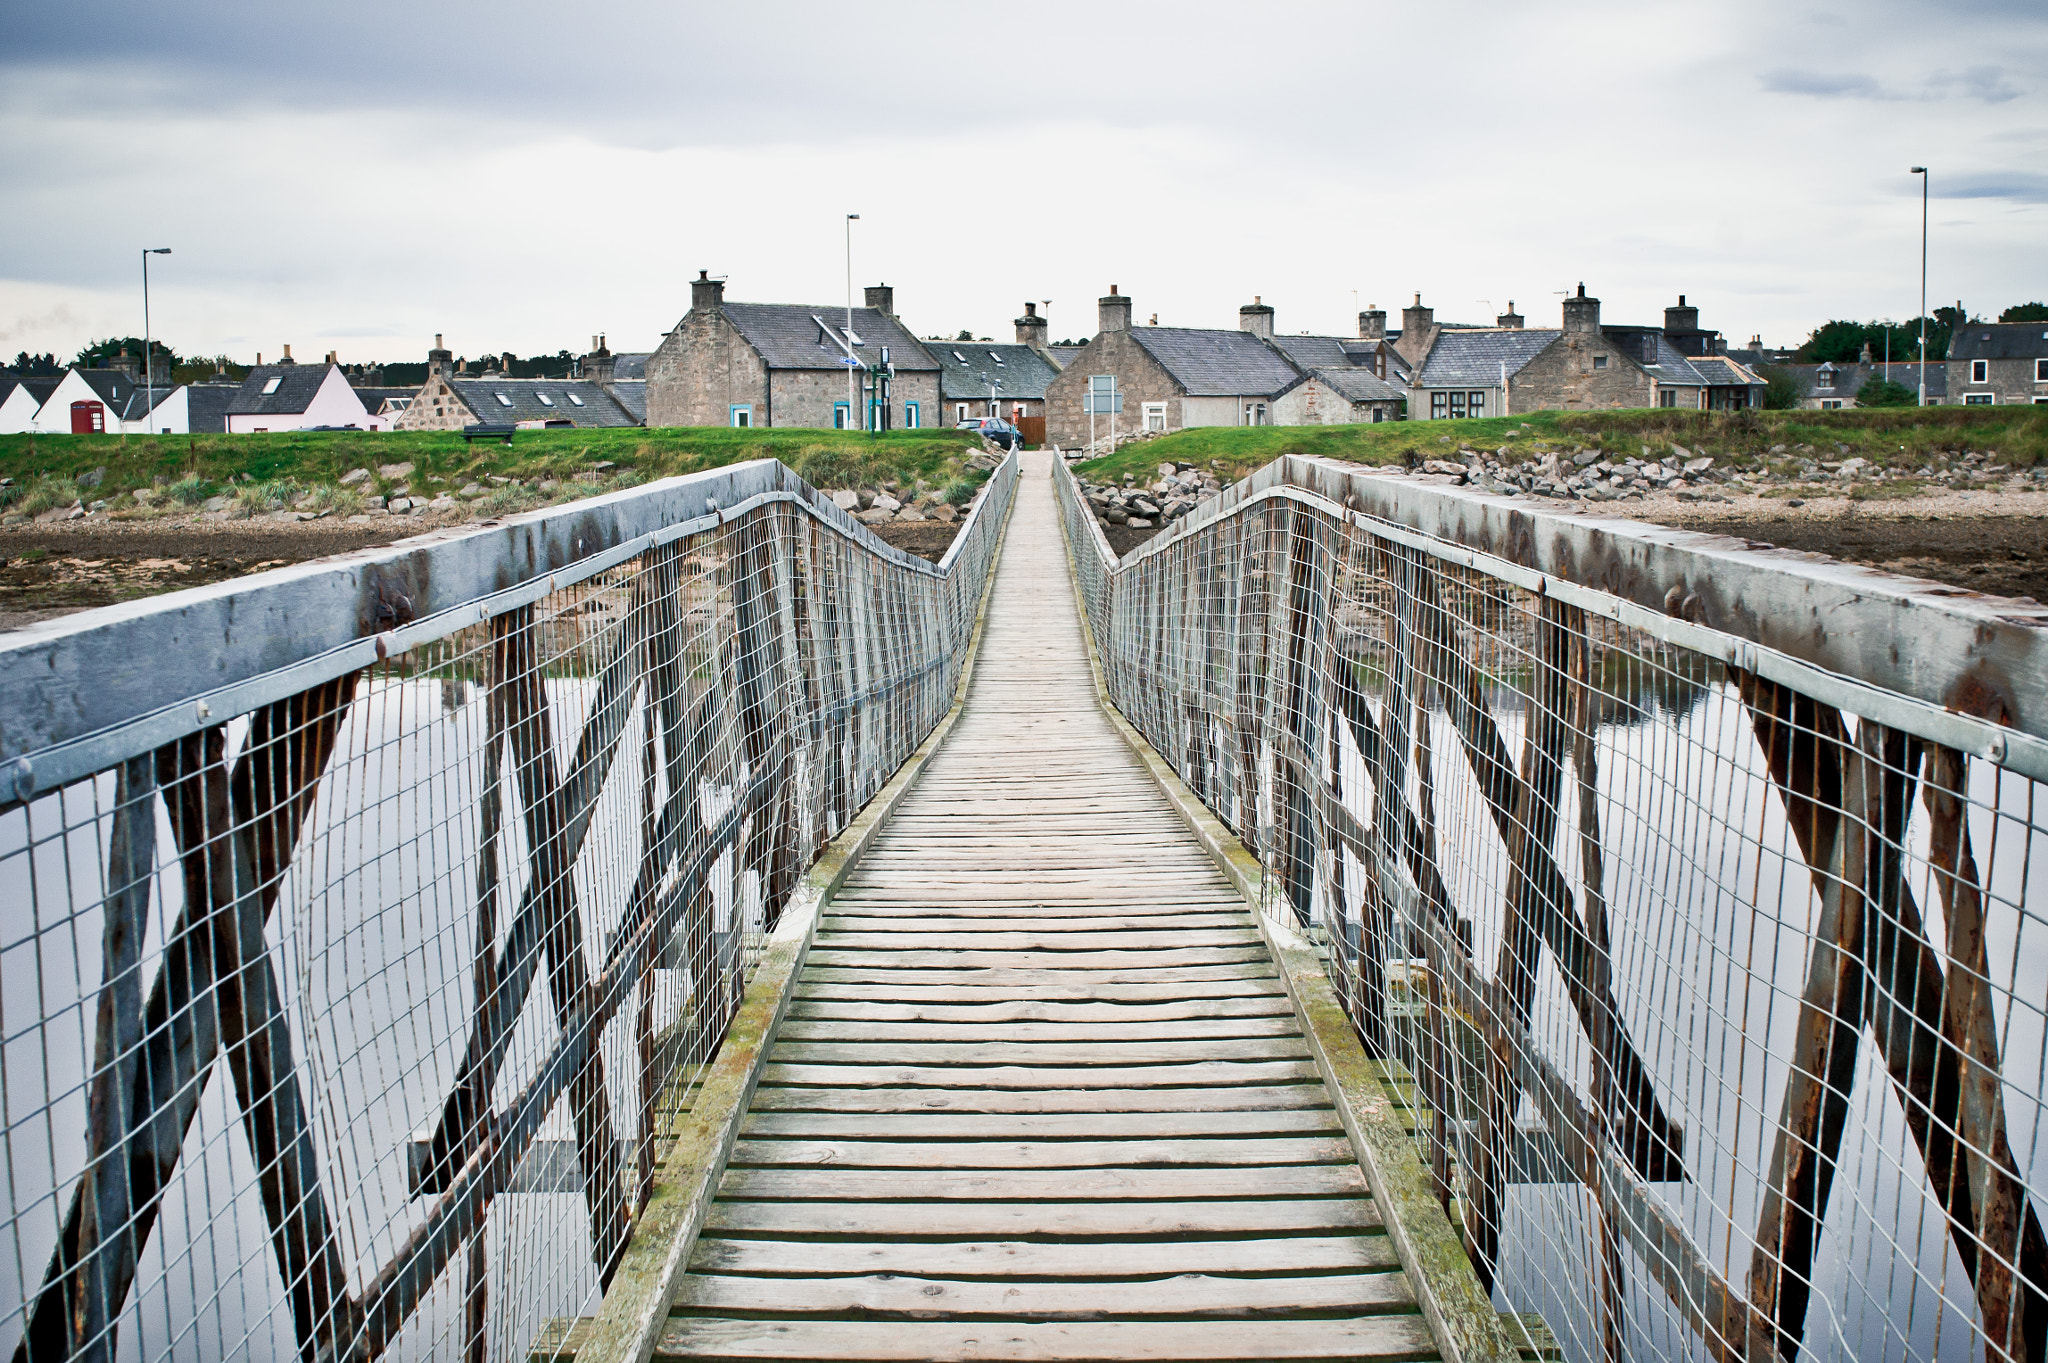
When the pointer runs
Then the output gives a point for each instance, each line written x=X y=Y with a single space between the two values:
x=295 y=397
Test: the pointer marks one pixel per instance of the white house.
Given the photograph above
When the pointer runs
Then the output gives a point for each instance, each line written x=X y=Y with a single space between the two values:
x=295 y=397
x=110 y=401
x=20 y=400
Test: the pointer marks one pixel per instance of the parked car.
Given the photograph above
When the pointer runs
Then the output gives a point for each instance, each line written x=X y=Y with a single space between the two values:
x=995 y=430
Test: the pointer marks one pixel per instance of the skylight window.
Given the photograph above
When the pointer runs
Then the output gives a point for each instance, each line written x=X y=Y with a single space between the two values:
x=993 y=356
x=958 y=356
x=573 y=398
x=503 y=401
x=271 y=387
x=545 y=400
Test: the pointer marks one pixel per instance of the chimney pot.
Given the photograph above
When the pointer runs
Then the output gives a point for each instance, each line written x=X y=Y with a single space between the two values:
x=330 y=357
x=287 y=356
x=1681 y=300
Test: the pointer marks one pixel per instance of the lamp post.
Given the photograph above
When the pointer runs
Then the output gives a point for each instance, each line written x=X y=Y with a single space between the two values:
x=853 y=412
x=1921 y=171
x=148 y=369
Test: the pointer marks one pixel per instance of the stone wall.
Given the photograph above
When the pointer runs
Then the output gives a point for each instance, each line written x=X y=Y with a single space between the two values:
x=1315 y=403
x=2006 y=380
x=436 y=408
x=701 y=369
x=1563 y=377
x=1139 y=377
x=806 y=397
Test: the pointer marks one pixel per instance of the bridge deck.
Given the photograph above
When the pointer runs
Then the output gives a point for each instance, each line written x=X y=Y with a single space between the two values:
x=1040 y=1093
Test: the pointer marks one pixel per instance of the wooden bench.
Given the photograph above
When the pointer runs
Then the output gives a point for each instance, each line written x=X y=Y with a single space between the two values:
x=484 y=430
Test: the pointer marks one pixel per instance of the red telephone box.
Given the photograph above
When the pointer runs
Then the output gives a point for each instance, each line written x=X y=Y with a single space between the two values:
x=88 y=417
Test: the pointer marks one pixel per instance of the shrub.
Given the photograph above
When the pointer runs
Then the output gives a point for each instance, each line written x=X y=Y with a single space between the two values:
x=48 y=493
x=190 y=490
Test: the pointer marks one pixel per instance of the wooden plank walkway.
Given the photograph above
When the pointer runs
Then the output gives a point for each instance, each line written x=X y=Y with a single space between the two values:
x=1040 y=1094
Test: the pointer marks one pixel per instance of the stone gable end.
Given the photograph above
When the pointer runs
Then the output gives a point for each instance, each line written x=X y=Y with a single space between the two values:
x=701 y=369
x=1562 y=376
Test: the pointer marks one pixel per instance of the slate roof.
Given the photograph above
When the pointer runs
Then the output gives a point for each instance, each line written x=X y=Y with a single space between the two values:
x=1064 y=355
x=788 y=335
x=1850 y=378
x=39 y=387
x=499 y=401
x=297 y=385
x=1216 y=363
x=126 y=399
x=633 y=367
x=1998 y=341
x=965 y=368
x=1674 y=365
x=1357 y=384
x=632 y=395
x=1722 y=372
x=206 y=407
x=373 y=399
x=1472 y=358
x=1314 y=352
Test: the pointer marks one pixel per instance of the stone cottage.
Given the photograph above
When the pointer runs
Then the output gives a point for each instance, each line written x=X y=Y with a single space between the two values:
x=1994 y=363
x=785 y=364
x=992 y=378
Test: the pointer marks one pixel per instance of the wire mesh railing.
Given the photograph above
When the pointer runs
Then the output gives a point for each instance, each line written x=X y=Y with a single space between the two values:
x=1690 y=896
x=368 y=922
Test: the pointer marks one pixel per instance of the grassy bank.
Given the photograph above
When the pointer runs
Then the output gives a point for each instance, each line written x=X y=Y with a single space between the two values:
x=186 y=470
x=1906 y=437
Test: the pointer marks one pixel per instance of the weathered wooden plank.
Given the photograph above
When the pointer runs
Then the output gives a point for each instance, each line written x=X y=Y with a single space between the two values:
x=1026 y=960
x=1039 y=1054
x=1383 y=1337
x=1079 y=938
x=1174 y=1184
x=1191 y=1295
x=1201 y=1073
x=908 y=1221
x=1199 y=993
x=1011 y=1153
x=1029 y=1011
x=1160 y=924
x=964 y=1030
x=1037 y=1259
x=941 y=1126
x=1059 y=1098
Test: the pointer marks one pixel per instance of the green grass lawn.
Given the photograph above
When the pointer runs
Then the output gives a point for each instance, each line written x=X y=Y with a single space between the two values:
x=201 y=466
x=1905 y=437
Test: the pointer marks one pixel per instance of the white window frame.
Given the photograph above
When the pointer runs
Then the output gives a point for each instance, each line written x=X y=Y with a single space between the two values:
x=740 y=415
x=2041 y=371
x=959 y=411
x=1980 y=371
x=1155 y=416
x=1980 y=399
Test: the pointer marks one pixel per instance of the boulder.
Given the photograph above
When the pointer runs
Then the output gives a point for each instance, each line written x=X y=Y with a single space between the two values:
x=911 y=513
x=1116 y=515
x=214 y=504
x=1443 y=466
x=399 y=506
x=884 y=502
x=845 y=500
x=876 y=516
x=1699 y=465
x=1140 y=523
x=394 y=470
x=472 y=490
x=354 y=476
x=944 y=513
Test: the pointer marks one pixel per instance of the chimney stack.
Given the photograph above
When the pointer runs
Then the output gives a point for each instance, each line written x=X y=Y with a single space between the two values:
x=1865 y=357
x=330 y=357
x=128 y=365
x=706 y=294
x=440 y=360
x=1372 y=323
x=1113 y=311
x=1418 y=331
x=881 y=298
x=1681 y=318
x=287 y=357
x=1256 y=318
x=1031 y=328
x=1582 y=314
x=1510 y=319
x=598 y=366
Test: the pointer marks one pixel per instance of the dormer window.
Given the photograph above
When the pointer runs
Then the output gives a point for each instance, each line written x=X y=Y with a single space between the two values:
x=271 y=387
x=1824 y=377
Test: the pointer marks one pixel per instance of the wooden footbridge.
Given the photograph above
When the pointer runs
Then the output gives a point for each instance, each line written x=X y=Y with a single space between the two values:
x=1040 y=1090
x=1371 y=919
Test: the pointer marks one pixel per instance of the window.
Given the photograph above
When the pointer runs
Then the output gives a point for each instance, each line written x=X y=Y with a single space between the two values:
x=993 y=356
x=1824 y=377
x=2041 y=402
x=1977 y=399
x=1475 y=403
x=1255 y=414
x=959 y=411
x=1155 y=416
x=2041 y=371
x=1457 y=405
x=841 y=413
x=573 y=398
x=1379 y=414
x=1980 y=371
x=1599 y=361
x=544 y=399
x=271 y=387
x=1438 y=406
x=742 y=414
x=1830 y=404
x=1667 y=397
x=503 y=401
x=909 y=416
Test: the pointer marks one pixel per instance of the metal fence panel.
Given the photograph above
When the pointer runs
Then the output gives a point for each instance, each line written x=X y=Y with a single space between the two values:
x=368 y=922
x=1686 y=894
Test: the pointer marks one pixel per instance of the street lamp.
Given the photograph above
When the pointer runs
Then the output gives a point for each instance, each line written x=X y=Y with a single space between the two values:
x=148 y=369
x=1921 y=171
x=852 y=401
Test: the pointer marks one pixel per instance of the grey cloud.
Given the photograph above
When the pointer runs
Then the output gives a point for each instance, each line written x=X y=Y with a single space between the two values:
x=1822 y=84
x=1987 y=83
x=2017 y=186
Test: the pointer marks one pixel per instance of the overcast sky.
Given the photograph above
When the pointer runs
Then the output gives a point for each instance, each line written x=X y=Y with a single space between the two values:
x=520 y=175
